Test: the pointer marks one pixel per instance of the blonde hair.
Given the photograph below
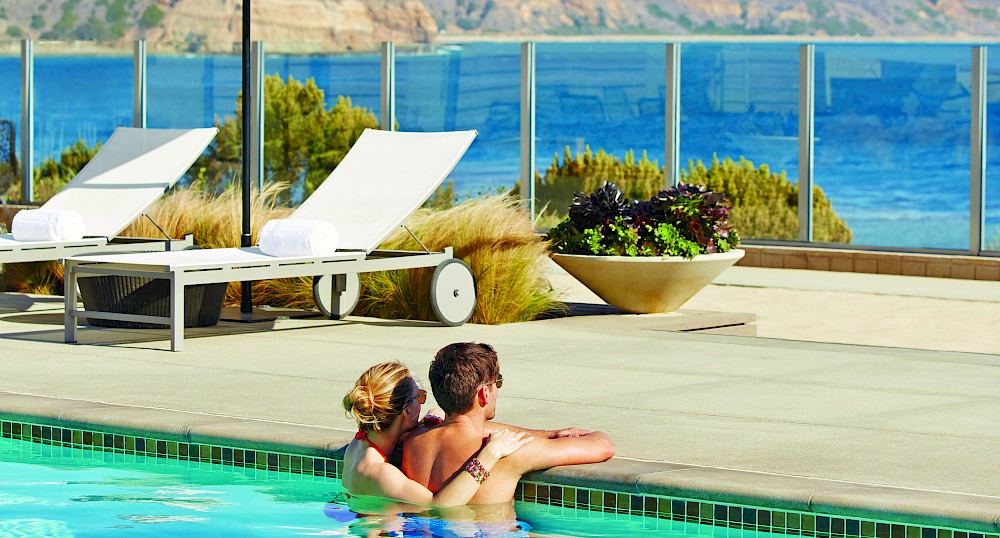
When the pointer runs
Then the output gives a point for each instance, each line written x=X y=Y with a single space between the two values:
x=379 y=396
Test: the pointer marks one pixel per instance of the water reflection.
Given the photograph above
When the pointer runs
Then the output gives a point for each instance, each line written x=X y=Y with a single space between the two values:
x=375 y=516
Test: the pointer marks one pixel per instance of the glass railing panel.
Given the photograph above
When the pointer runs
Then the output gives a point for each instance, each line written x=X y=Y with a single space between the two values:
x=601 y=96
x=468 y=86
x=892 y=142
x=741 y=101
x=10 y=119
x=354 y=75
x=991 y=232
x=81 y=94
x=190 y=90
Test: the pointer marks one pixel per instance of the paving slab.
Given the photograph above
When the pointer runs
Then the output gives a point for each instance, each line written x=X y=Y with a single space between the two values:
x=873 y=417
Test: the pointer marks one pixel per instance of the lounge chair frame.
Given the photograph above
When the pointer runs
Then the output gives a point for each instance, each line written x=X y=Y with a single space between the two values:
x=41 y=251
x=452 y=294
x=189 y=274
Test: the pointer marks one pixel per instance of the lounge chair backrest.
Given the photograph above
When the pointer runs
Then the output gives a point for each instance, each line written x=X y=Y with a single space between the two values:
x=128 y=175
x=384 y=178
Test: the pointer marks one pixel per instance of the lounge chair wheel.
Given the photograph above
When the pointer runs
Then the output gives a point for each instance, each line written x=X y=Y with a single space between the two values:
x=453 y=292
x=336 y=305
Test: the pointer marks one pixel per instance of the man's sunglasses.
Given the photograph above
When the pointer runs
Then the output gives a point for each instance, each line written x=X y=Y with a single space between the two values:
x=498 y=382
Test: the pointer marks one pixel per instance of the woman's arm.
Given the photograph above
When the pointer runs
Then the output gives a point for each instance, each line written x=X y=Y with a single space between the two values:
x=460 y=489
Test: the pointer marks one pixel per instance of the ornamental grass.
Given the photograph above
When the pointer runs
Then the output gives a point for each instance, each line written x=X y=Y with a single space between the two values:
x=215 y=221
x=494 y=236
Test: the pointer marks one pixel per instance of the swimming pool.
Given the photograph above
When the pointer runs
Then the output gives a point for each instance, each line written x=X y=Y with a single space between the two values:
x=86 y=483
x=61 y=492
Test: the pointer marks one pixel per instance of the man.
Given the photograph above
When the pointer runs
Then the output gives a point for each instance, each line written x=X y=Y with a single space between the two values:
x=466 y=381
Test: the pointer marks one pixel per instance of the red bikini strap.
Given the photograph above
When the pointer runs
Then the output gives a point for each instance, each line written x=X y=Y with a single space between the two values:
x=363 y=436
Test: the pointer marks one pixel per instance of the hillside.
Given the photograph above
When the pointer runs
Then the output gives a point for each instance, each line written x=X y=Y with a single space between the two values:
x=214 y=25
x=720 y=17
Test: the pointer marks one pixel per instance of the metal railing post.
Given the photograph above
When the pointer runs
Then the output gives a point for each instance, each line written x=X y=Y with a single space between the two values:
x=388 y=113
x=807 y=109
x=257 y=114
x=977 y=146
x=672 y=120
x=139 y=84
x=527 y=182
x=27 y=119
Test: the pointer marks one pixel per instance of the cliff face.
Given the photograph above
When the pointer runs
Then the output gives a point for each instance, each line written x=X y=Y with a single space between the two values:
x=209 y=25
x=681 y=17
x=214 y=25
x=344 y=24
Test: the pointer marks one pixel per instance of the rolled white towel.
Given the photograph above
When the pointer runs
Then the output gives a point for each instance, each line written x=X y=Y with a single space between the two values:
x=298 y=237
x=47 y=225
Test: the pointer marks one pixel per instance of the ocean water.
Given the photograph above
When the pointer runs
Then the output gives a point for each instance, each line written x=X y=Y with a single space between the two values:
x=892 y=121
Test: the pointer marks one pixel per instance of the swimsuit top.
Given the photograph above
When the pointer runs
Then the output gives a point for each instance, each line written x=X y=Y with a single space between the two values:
x=363 y=436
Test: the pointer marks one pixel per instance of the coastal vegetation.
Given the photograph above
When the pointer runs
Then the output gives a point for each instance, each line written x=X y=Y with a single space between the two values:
x=53 y=174
x=303 y=138
x=765 y=203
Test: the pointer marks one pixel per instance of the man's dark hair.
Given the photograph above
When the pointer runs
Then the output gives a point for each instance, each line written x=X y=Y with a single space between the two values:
x=458 y=370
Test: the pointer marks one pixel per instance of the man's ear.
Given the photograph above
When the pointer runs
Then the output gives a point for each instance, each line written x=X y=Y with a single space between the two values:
x=483 y=396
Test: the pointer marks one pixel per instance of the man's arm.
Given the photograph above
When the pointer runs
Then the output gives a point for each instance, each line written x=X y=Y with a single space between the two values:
x=592 y=447
x=540 y=434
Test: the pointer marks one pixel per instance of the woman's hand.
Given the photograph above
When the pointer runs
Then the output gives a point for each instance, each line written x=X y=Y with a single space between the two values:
x=503 y=443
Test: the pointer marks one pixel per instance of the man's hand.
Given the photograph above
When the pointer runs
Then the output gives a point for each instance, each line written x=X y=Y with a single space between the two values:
x=569 y=432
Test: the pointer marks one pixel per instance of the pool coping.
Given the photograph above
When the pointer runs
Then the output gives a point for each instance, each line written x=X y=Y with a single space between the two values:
x=630 y=479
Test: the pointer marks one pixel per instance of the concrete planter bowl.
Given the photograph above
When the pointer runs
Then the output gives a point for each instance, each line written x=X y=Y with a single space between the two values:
x=646 y=285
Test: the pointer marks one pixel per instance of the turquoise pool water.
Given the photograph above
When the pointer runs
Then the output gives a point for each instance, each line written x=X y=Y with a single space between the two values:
x=61 y=492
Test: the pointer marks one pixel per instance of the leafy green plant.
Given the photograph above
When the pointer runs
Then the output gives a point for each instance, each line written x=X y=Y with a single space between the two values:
x=686 y=220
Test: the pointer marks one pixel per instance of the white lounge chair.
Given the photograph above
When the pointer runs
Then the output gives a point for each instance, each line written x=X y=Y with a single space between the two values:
x=128 y=175
x=381 y=181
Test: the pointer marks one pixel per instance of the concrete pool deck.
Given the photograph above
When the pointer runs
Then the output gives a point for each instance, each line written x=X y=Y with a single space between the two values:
x=806 y=425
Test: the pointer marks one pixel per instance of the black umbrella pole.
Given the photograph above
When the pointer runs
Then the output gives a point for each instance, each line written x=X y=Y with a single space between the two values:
x=246 y=301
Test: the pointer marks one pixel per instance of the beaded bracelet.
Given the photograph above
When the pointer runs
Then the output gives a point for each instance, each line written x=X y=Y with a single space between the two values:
x=476 y=469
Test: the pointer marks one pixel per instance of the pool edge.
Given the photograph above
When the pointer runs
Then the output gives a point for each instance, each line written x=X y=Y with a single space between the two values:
x=620 y=476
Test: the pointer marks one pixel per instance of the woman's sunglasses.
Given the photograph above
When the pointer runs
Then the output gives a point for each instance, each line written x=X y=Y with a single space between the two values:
x=420 y=397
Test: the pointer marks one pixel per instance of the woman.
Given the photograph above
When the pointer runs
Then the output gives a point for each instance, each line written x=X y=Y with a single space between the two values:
x=385 y=402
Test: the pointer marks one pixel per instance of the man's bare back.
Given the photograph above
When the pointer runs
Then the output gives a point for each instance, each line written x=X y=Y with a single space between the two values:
x=432 y=456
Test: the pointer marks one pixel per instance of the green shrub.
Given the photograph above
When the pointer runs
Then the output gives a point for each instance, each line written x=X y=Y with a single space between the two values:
x=303 y=140
x=765 y=204
x=151 y=17
x=52 y=175
x=587 y=171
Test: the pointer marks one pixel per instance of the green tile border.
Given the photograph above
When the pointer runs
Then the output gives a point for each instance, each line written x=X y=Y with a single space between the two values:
x=732 y=516
x=117 y=443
